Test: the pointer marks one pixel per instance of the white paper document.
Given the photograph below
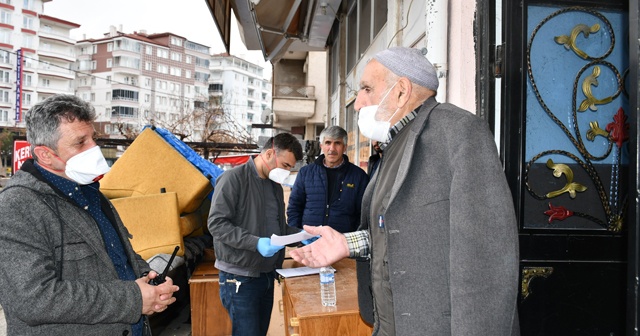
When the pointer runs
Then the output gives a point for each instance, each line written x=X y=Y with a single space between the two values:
x=298 y=271
x=290 y=239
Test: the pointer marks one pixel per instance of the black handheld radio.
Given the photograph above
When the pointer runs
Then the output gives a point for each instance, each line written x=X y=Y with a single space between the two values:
x=160 y=278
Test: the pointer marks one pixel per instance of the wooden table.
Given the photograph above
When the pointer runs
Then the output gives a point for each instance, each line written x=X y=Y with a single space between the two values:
x=208 y=316
x=306 y=316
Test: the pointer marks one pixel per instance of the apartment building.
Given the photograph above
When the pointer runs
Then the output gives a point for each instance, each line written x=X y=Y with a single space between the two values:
x=238 y=86
x=46 y=54
x=137 y=79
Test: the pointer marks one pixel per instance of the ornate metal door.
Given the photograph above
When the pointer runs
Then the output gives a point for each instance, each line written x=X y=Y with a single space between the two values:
x=566 y=110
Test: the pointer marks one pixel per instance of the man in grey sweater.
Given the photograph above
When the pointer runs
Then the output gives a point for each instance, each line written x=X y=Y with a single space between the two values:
x=67 y=266
x=438 y=238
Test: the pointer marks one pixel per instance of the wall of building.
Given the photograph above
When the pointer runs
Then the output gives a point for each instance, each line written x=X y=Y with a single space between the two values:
x=407 y=22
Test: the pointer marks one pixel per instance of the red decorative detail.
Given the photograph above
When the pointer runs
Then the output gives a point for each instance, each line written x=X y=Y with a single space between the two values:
x=619 y=128
x=557 y=212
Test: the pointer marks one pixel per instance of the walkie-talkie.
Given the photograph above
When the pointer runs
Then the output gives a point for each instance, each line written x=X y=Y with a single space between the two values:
x=160 y=278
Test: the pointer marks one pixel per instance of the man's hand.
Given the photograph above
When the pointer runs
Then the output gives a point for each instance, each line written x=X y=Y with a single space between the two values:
x=329 y=248
x=156 y=299
x=266 y=249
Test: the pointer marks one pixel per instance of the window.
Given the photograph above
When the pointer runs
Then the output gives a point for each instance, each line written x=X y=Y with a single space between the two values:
x=28 y=4
x=147 y=66
x=27 y=22
x=176 y=56
x=147 y=82
x=4 y=95
x=108 y=96
x=352 y=36
x=109 y=62
x=148 y=50
x=197 y=47
x=202 y=62
x=27 y=80
x=187 y=59
x=26 y=98
x=201 y=77
x=364 y=33
x=129 y=95
x=365 y=19
x=45 y=82
x=27 y=41
x=147 y=98
x=5 y=57
x=161 y=68
x=108 y=79
x=176 y=41
x=176 y=71
x=187 y=73
x=4 y=76
x=5 y=17
x=163 y=53
x=334 y=68
x=126 y=44
x=127 y=62
x=379 y=15
x=109 y=46
x=5 y=36
x=124 y=111
x=4 y=115
x=93 y=97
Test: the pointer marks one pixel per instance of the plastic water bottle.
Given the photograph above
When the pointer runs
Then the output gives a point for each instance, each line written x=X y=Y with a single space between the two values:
x=327 y=286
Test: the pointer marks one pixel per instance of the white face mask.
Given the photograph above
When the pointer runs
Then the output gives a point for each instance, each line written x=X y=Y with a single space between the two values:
x=371 y=127
x=279 y=175
x=87 y=167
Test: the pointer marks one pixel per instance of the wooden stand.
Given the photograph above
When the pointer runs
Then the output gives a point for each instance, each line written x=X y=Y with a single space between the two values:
x=208 y=316
x=305 y=315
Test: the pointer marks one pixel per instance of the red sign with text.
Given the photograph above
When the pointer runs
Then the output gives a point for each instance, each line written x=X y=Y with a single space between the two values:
x=21 y=152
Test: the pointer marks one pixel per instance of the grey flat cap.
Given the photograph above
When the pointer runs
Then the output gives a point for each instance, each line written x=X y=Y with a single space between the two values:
x=410 y=63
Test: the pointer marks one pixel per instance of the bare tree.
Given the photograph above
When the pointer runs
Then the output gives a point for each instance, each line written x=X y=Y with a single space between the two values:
x=6 y=146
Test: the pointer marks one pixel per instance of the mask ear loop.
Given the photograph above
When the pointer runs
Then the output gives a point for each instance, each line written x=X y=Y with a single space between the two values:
x=274 y=153
x=57 y=157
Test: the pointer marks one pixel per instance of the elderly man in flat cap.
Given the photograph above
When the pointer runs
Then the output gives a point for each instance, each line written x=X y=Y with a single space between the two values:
x=437 y=247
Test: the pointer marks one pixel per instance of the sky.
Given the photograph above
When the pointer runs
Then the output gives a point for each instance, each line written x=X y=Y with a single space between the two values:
x=190 y=19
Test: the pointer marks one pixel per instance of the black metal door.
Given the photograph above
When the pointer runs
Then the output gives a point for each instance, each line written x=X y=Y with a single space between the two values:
x=567 y=152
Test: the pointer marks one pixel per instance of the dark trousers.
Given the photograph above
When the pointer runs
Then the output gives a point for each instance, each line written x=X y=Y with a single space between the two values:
x=249 y=304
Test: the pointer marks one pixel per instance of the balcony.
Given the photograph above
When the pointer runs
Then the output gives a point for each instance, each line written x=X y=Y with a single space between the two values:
x=68 y=56
x=294 y=102
x=53 y=89
x=52 y=35
x=125 y=69
x=55 y=71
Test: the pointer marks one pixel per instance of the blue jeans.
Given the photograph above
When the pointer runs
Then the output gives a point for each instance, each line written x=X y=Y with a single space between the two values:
x=250 y=307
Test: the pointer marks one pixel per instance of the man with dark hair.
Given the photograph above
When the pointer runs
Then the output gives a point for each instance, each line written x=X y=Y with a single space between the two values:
x=328 y=191
x=374 y=159
x=437 y=248
x=247 y=207
x=68 y=267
